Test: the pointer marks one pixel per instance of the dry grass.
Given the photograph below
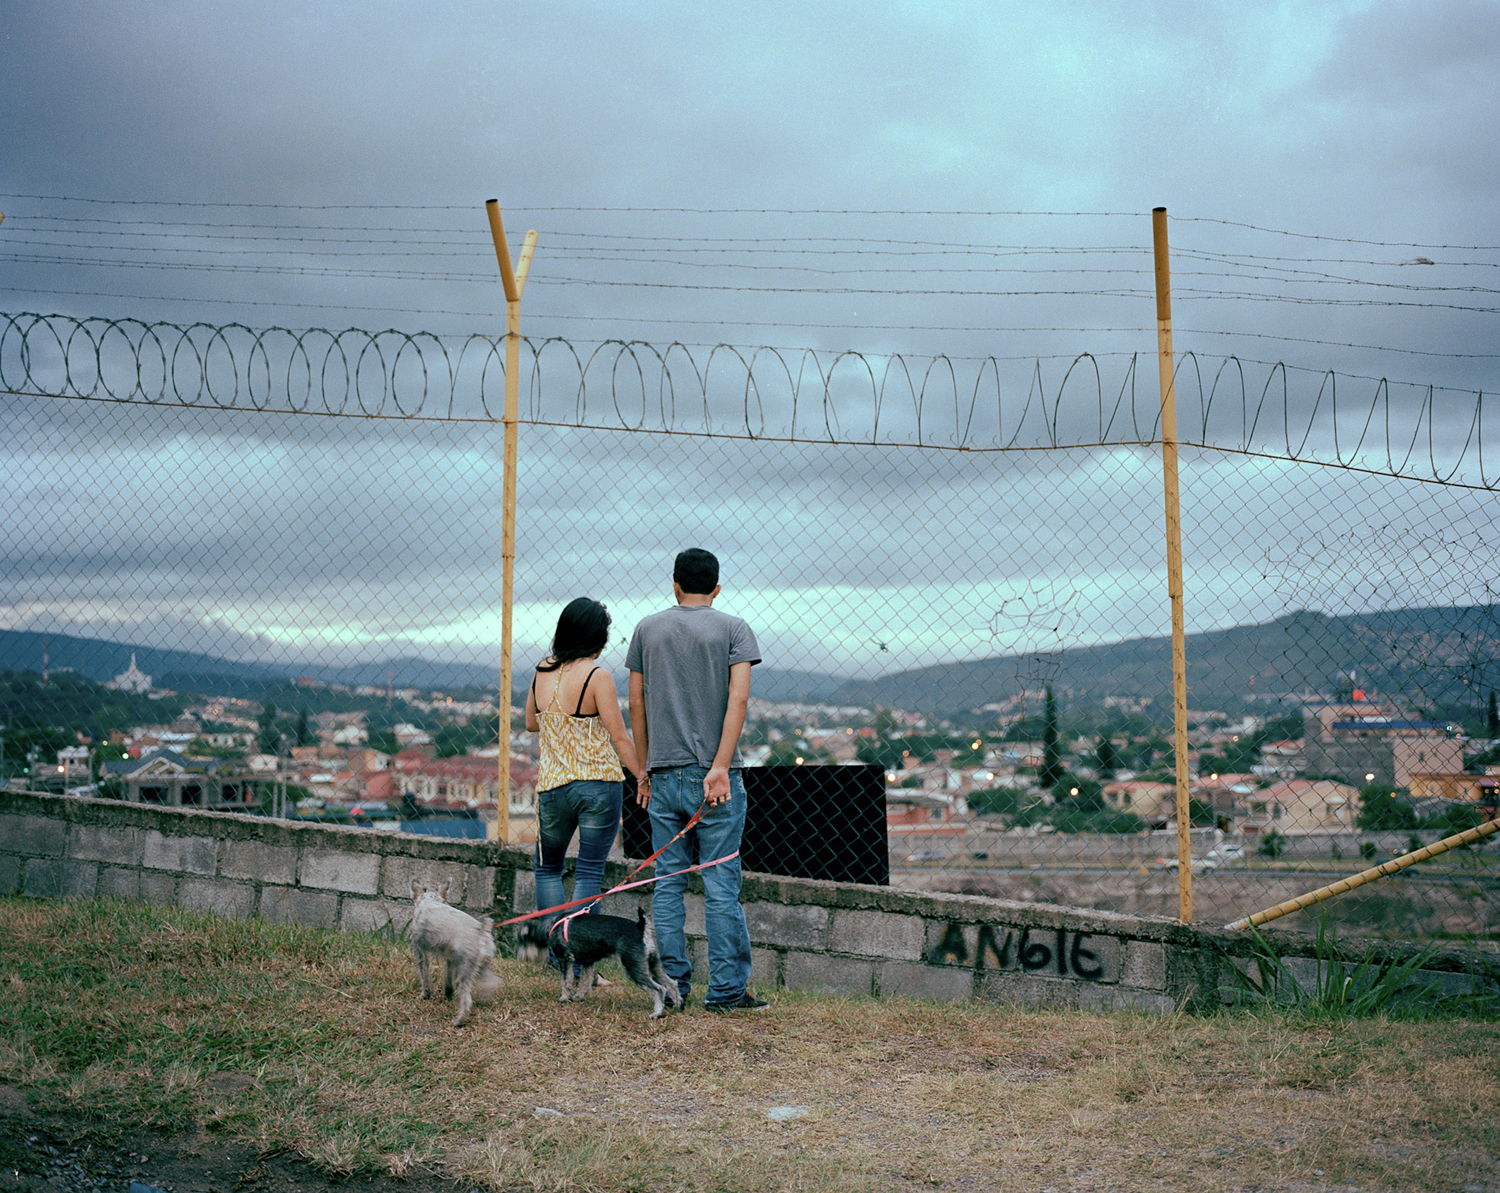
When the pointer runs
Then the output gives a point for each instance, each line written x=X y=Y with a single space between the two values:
x=317 y=1042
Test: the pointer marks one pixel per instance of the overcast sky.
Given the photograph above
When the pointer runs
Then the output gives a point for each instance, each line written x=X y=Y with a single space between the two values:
x=362 y=141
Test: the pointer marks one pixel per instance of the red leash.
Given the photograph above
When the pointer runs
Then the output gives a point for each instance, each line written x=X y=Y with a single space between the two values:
x=627 y=884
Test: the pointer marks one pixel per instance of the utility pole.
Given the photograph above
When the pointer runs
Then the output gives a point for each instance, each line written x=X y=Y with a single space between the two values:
x=514 y=282
x=1174 y=559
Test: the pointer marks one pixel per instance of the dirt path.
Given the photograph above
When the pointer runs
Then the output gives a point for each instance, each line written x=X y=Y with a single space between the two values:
x=41 y=1153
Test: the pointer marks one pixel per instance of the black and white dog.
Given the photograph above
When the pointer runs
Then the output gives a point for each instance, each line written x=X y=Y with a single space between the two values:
x=586 y=940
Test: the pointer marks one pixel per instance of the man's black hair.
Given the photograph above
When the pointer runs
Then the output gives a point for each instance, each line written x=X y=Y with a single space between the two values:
x=696 y=571
x=582 y=630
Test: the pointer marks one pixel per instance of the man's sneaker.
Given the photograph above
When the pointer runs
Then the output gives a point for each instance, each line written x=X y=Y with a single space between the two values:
x=745 y=1002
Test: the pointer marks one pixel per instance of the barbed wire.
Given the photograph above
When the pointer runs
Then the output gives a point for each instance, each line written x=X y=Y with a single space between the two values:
x=801 y=324
x=987 y=403
x=802 y=211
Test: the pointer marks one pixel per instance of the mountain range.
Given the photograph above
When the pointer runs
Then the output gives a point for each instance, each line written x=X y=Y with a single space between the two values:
x=1438 y=656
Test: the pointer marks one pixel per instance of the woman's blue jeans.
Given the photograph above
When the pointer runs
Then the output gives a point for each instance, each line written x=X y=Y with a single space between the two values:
x=592 y=808
x=676 y=793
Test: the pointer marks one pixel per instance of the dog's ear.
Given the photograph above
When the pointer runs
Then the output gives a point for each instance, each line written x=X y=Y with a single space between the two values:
x=417 y=889
x=443 y=888
x=640 y=918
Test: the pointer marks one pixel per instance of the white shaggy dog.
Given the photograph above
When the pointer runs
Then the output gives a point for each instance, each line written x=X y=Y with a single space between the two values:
x=442 y=932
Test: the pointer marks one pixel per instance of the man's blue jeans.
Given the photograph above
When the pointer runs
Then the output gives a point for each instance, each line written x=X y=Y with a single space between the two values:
x=590 y=806
x=676 y=793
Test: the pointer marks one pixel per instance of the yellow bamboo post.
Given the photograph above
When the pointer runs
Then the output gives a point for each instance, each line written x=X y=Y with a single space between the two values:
x=514 y=282
x=1174 y=559
x=1385 y=870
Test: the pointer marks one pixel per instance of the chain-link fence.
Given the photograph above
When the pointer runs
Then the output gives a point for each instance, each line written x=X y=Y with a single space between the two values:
x=954 y=567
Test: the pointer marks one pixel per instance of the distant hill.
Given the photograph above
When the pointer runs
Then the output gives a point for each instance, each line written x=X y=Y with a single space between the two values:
x=98 y=660
x=179 y=670
x=413 y=673
x=1440 y=655
x=802 y=687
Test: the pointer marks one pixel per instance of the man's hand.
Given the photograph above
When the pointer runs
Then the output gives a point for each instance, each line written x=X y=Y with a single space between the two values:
x=716 y=786
x=643 y=790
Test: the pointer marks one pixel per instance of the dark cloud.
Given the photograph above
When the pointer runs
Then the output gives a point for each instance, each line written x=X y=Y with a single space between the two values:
x=283 y=536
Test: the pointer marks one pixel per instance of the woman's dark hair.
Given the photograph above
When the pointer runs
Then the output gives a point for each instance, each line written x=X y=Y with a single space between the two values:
x=582 y=630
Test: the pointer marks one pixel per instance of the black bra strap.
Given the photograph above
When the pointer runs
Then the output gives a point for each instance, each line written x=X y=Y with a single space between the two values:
x=582 y=692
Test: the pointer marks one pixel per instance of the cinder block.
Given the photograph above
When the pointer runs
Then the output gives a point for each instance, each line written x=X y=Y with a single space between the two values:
x=1123 y=998
x=371 y=915
x=187 y=855
x=1145 y=965
x=692 y=912
x=259 y=862
x=788 y=926
x=233 y=900
x=524 y=897
x=10 y=873
x=1451 y=983
x=479 y=887
x=1094 y=957
x=33 y=836
x=48 y=878
x=105 y=843
x=288 y=905
x=627 y=904
x=119 y=882
x=1028 y=990
x=398 y=872
x=913 y=979
x=950 y=942
x=341 y=870
x=877 y=934
x=828 y=975
x=158 y=886
x=765 y=968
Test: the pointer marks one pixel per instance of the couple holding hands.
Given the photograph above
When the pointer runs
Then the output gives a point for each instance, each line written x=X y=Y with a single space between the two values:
x=689 y=688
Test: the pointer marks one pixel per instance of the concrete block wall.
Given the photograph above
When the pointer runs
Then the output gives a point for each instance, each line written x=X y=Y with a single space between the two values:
x=838 y=938
x=54 y=847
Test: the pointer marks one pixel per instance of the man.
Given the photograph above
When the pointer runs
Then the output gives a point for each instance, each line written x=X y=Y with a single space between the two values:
x=689 y=688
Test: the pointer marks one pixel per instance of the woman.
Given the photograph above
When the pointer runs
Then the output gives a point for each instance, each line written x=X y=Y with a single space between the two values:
x=572 y=704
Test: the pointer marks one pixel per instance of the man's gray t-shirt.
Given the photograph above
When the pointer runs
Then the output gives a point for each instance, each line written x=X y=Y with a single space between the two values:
x=683 y=655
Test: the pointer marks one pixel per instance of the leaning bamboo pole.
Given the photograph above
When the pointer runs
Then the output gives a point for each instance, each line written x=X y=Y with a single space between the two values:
x=1385 y=870
x=514 y=282
x=1174 y=559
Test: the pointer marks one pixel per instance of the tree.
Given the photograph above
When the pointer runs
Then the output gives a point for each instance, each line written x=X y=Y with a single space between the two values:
x=1382 y=809
x=304 y=732
x=267 y=739
x=1272 y=845
x=384 y=741
x=1022 y=807
x=1107 y=756
x=1051 y=753
x=1200 y=813
x=450 y=741
x=1083 y=794
x=879 y=753
x=1492 y=718
x=788 y=750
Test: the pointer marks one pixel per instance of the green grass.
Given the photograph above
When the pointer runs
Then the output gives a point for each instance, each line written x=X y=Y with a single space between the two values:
x=122 y=1014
